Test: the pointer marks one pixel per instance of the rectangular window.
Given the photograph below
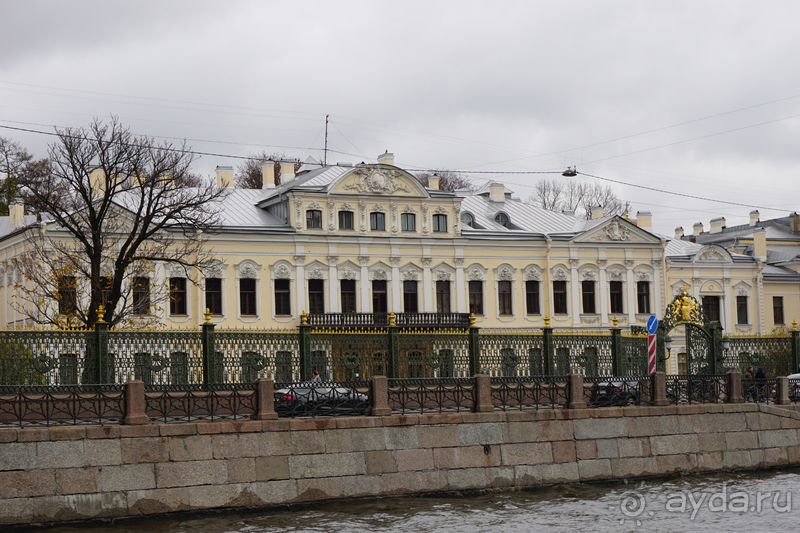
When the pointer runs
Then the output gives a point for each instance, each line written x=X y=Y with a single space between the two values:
x=410 y=302
x=379 y=296
x=504 y=297
x=711 y=307
x=348 y=290
x=214 y=295
x=345 y=220
x=141 y=296
x=476 y=297
x=247 y=297
x=777 y=310
x=442 y=296
x=643 y=297
x=408 y=222
x=316 y=296
x=283 y=306
x=177 y=296
x=105 y=289
x=682 y=366
x=587 y=290
x=741 y=309
x=440 y=223
x=314 y=219
x=615 y=288
x=377 y=221
x=532 y=297
x=67 y=295
x=560 y=297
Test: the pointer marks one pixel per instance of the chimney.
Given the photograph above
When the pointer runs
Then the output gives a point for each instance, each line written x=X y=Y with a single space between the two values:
x=287 y=171
x=597 y=211
x=794 y=222
x=679 y=233
x=497 y=192
x=644 y=219
x=268 y=175
x=224 y=177
x=760 y=244
x=16 y=214
x=386 y=159
x=697 y=229
x=97 y=180
x=433 y=182
x=717 y=225
x=754 y=216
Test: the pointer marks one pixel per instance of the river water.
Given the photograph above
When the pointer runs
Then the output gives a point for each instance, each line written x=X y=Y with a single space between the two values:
x=721 y=502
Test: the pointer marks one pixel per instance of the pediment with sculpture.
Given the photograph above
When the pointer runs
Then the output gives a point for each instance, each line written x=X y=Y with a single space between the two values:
x=617 y=230
x=379 y=179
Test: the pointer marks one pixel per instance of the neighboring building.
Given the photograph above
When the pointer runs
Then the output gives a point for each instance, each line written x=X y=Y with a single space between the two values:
x=371 y=239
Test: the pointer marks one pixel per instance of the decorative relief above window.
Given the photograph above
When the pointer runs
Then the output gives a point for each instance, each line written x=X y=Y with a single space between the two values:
x=247 y=270
x=440 y=209
x=314 y=205
x=504 y=273
x=532 y=273
x=443 y=275
x=282 y=271
x=710 y=255
x=616 y=275
x=410 y=275
x=588 y=275
x=742 y=290
x=560 y=274
x=214 y=269
x=347 y=273
x=379 y=274
x=476 y=273
x=643 y=276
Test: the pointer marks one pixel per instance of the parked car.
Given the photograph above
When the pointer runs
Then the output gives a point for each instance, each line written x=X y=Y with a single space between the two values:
x=794 y=387
x=614 y=393
x=324 y=400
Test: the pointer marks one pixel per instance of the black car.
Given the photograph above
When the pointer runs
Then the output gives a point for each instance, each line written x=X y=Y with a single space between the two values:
x=614 y=393
x=320 y=400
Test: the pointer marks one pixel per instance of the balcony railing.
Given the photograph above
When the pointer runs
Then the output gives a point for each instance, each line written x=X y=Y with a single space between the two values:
x=408 y=320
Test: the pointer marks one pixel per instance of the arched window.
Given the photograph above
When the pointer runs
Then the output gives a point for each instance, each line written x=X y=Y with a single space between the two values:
x=467 y=220
x=502 y=219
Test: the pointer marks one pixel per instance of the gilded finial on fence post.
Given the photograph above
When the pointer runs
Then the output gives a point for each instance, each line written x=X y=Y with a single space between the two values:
x=101 y=313
x=391 y=319
x=207 y=314
x=547 y=321
x=794 y=324
x=304 y=318
x=615 y=321
x=472 y=320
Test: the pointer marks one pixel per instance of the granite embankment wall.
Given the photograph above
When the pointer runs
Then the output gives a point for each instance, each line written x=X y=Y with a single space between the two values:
x=75 y=473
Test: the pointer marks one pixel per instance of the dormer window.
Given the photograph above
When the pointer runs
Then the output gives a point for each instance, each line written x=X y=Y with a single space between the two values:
x=377 y=221
x=313 y=219
x=467 y=220
x=502 y=219
x=440 y=223
x=345 y=220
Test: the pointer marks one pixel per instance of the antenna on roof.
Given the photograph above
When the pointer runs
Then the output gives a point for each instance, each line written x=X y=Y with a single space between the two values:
x=570 y=172
x=325 y=157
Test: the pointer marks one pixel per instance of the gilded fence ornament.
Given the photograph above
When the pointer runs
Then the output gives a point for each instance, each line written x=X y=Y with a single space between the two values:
x=794 y=324
x=615 y=321
x=547 y=321
x=101 y=313
x=304 y=318
x=392 y=319
x=472 y=320
x=207 y=315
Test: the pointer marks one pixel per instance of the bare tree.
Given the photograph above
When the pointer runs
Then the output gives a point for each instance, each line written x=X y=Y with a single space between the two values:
x=448 y=180
x=579 y=197
x=249 y=174
x=115 y=208
x=14 y=162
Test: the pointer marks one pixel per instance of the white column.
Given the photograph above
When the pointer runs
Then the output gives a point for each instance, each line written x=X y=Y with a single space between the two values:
x=427 y=286
x=656 y=289
x=631 y=290
x=333 y=285
x=366 y=305
x=726 y=316
x=461 y=287
x=603 y=289
x=395 y=304
x=576 y=293
x=300 y=285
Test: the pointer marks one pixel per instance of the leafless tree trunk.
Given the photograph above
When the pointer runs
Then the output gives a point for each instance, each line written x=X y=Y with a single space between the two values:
x=115 y=207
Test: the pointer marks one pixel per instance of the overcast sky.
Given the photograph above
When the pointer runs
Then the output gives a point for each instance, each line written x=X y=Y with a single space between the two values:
x=699 y=98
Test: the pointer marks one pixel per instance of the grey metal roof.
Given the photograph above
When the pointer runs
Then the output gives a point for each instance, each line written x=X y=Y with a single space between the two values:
x=526 y=217
x=5 y=224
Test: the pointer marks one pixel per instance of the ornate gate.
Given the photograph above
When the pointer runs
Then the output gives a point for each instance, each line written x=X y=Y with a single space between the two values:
x=703 y=338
